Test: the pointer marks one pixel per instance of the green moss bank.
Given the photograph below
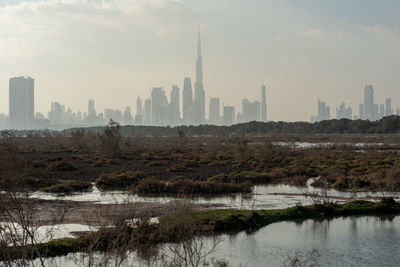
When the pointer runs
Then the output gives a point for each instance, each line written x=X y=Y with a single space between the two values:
x=236 y=220
x=207 y=222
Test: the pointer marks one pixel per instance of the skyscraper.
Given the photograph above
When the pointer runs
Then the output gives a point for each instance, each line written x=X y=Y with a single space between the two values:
x=147 y=112
x=229 y=115
x=388 y=110
x=159 y=107
x=324 y=111
x=263 y=103
x=361 y=111
x=343 y=112
x=199 y=94
x=127 y=116
x=369 y=103
x=214 y=112
x=174 y=106
x=21 y=103
x=381 y=111
x=139 y=108
x=139 y=112
x=55 y=115
x=92 y=116
x=250 y=110
x=187 y=99
x=91 y=110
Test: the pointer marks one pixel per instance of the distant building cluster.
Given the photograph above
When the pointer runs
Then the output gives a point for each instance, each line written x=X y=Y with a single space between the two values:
x=368 y=110
x=156 y=110
x=324 y=112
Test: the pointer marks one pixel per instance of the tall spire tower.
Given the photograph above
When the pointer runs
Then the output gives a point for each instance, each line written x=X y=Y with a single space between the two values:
x=199 y=94
x=199 y=64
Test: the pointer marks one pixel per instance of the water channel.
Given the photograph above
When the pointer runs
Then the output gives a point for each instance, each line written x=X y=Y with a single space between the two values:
x=344 y=241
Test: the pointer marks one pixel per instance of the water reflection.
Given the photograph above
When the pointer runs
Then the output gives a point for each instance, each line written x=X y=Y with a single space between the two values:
x=350 y=241
x=345 y=241
x=263 y=197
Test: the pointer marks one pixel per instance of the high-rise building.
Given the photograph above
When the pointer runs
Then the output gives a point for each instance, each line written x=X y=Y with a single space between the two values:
x=92 y=115
x=239 y=118
x=343 y=112
x=324 y=111
x=159 y=107
x=139 y=112
x=147 y=112
x=139 y=108
x=250 y=110
x=91 y=110
x=388 y=110
x=22 y=103
x=263 y=103
x=361 y=112
x=187 y=99
x=381 y=111
x=375 y=113
x=214 y=117
x=174 y=106
x=113 y=114
x=229 y=115
x=55 y=114
x=79 y=118
x=127 y=116
x=3 y=121
x=199 y=94
x=369 y=108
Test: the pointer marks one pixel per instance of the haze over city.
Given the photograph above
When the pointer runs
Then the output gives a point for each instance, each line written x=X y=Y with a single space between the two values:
x=115 y=51
x=199 y=133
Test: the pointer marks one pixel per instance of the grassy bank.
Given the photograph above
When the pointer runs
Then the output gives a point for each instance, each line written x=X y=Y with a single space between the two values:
x=235 y=220
x=190 y=223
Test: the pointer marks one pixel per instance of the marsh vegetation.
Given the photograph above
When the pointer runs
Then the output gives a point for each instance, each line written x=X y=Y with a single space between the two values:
x=182 y=166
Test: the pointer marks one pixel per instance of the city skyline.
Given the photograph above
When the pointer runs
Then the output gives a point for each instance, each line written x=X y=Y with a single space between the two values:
x=368 y=109
x=157 y=111
x=161 y=111
x=119 y=50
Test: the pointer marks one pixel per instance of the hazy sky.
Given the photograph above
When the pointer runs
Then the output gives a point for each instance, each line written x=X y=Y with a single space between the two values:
x=115 y=50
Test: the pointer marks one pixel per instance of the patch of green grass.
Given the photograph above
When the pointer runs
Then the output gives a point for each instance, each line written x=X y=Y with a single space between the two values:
x=237 y=220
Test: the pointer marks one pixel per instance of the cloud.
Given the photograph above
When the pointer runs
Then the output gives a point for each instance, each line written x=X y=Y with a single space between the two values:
x=384 y=33
x=44 y=28
x=388 y=35
x=312 y=32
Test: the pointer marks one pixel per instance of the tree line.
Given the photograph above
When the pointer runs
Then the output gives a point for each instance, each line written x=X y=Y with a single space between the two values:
x=386 y=125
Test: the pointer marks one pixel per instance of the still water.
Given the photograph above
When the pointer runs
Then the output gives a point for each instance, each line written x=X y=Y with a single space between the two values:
x=273 y=196
x=346 y=241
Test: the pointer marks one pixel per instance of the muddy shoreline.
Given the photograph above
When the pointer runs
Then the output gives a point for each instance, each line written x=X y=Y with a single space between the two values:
x=50 y=212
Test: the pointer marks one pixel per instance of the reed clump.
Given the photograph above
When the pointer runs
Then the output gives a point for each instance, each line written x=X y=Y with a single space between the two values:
x=183 y=186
